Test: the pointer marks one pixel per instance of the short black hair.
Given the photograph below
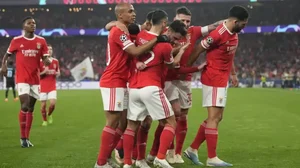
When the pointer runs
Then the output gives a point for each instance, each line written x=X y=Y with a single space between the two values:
x=178 y=27
x=183 y=10
x=26 y=18
x=149 y=15
x=133 y=29
x=158 y=16
x=239 y=12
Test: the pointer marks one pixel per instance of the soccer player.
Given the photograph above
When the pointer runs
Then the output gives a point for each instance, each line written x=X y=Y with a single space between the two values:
x=178 y=88
x=29 y=49
x=145 y=94
x=10 y=80
x=48 y=86
x=114 y=79
x=220 y=46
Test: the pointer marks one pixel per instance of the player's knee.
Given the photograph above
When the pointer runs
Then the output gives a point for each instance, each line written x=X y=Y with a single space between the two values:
x=171 y=121
x=24 y=107
x=43 y=106
x=214 y=119
x=133 y=125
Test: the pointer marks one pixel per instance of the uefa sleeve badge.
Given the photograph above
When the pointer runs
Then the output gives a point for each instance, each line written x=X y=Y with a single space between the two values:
x=209 y=40
x=123 y=38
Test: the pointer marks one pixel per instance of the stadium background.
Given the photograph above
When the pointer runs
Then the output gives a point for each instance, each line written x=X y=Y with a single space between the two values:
x=261 y=128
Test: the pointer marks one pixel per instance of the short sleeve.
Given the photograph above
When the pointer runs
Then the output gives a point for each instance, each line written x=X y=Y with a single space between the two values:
x=211 y=40
x=168 y=56
x=45 y=51
x=12 y=46
x=122 y=39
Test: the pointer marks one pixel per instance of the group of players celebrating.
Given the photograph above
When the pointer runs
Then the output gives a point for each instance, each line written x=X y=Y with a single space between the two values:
x=36 y=73
x=148 y=77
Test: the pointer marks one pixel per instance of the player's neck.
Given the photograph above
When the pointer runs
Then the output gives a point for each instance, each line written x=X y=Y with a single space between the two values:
x=156 y=29
x=28 y=35
x=126 y=24
x=229 y=25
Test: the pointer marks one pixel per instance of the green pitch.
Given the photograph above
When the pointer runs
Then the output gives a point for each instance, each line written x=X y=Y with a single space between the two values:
x=260 y=129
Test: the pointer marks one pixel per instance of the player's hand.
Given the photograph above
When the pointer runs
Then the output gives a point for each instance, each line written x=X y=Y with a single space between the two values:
x=122 y=27
x=140 y=66
x=47 y=61
x=4 y=70
x=184 y=47
x=163 y=39
x=234 y=80
x=200 y=67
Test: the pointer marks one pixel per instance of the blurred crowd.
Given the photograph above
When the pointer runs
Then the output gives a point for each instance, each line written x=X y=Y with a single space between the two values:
x=269 y=55
x=272 y=56
x=262 y=13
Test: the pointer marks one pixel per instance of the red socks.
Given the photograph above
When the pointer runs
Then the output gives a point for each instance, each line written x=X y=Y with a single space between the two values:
x=128 y=138
x=200 y=137
x=211 y=135
x=29 y=118
x=117 y=138
x=107 y=140
x=166 y=138
x=22 y=121
x=155 y=145
x=181 y=131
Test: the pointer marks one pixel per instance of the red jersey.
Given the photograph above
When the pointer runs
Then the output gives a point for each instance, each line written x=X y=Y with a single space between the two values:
x=116 y=72
x=28 y=55
x=48 y=80
x=194 y=33
x=155 y=60
x=221 y=45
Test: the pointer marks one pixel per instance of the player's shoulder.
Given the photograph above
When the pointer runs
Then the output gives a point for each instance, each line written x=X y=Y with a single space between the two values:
x=17 y=38
x=165 y=47
x=55 y=60
x=40 y=38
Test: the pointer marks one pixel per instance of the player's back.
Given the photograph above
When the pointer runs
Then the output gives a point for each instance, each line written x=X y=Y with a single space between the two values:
x=155 y=59
x=48 y=80
x=28 y=55
x=116 y=72
x=221 y=46
x=10 y=73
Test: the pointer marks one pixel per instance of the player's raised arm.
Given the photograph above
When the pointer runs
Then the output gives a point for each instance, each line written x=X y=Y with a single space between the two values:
x=109 y=25
x=136 y=51
x=181 y=51
x=213 y=26
x=58 y=69
x=195 y=54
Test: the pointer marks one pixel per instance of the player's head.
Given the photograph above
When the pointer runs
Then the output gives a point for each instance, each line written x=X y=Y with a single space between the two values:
x=50 y=50
x=125 y=13
x=184 y=14
x=176 y=31
x=148 y=20
x=29 y=24
x=159 y=18
x=238 y=15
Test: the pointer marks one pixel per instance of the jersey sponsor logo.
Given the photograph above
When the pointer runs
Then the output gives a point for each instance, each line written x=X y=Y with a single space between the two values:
x=220 y=100
x=119 y=104
x=30 y=53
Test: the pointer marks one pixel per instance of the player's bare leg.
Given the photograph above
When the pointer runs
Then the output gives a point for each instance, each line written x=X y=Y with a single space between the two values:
x=44 y=112
x=24 y=100
x=6 y=95
x=142 y=137
x=51 y=109
x=177 y=111
x=215 y=115
x=107 y=137
x=166 y=138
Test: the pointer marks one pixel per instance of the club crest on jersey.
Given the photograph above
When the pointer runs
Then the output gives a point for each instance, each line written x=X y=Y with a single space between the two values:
x=38 y=45
x=209 y=40
x=123 y=38
x=220 y=100
x=119 y=104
